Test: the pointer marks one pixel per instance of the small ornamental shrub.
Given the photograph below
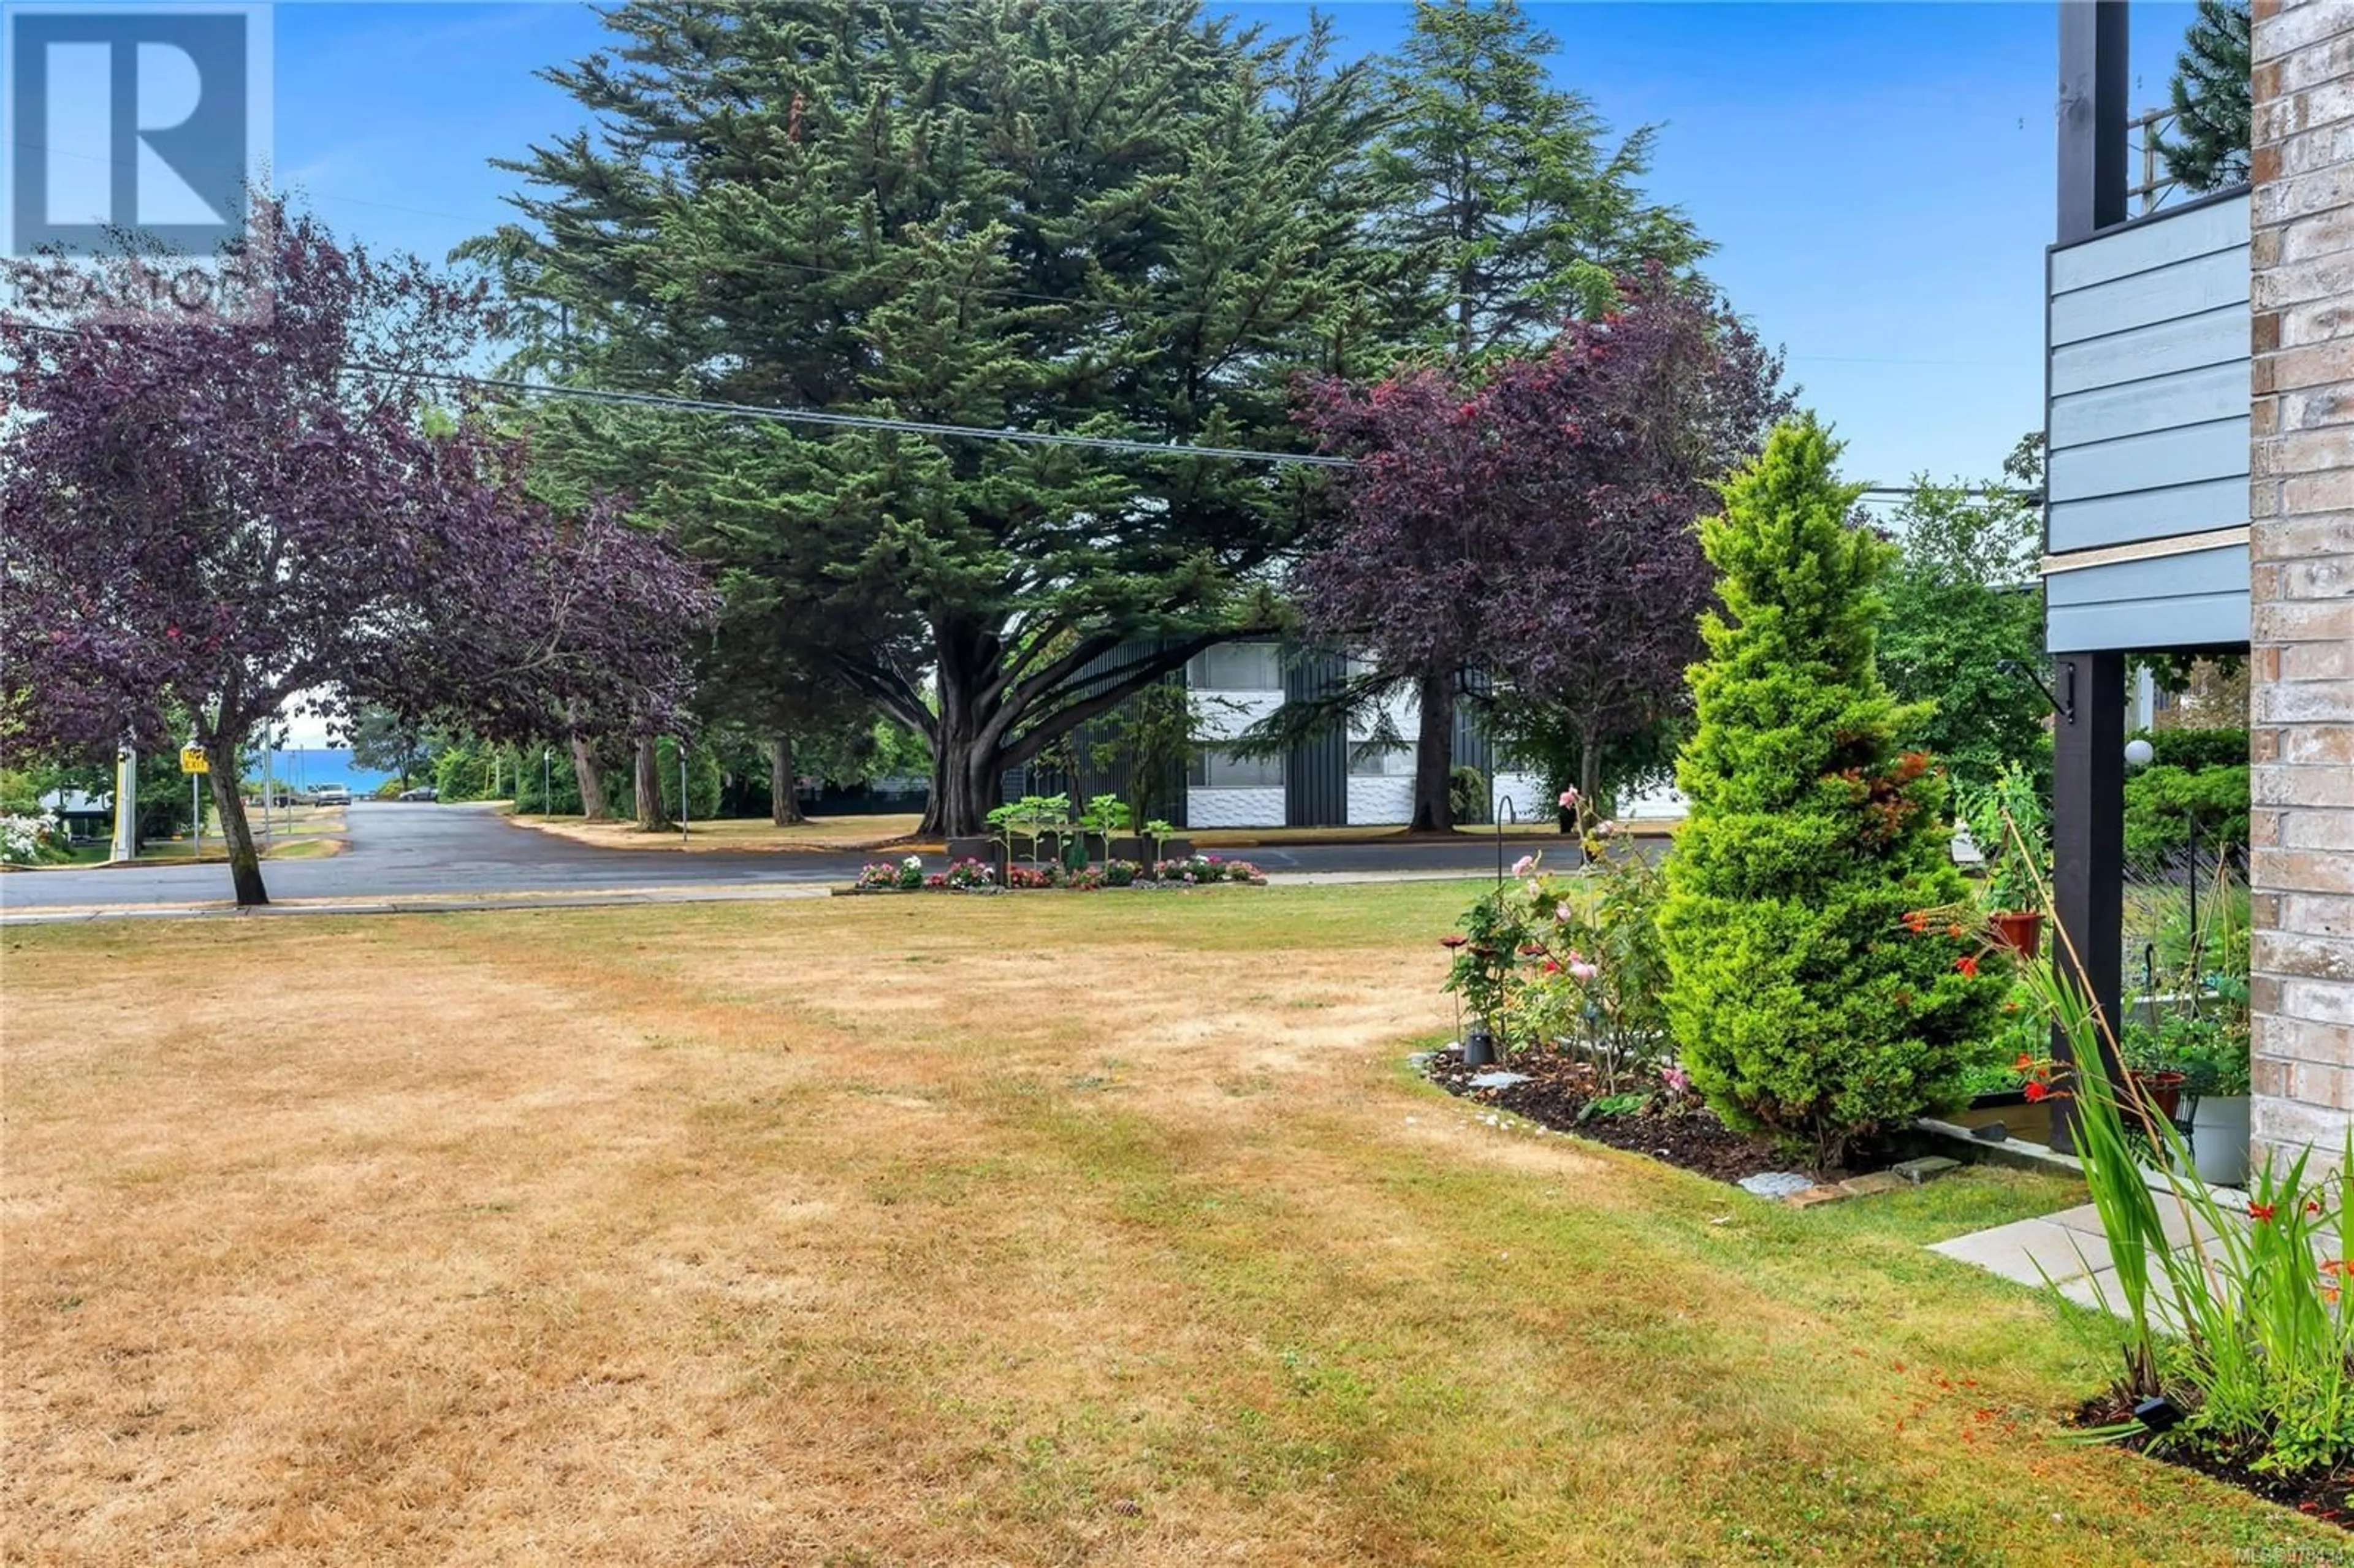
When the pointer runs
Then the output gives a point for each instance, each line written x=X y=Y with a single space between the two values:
x=30 y=838
x=911 y=872
x=970 y=875
x=878 y=874
x=1122 y=873
x=1801 y=1003
x=1026 y=877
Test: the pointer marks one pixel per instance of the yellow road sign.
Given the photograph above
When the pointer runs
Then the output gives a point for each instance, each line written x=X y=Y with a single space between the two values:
x=192 y=760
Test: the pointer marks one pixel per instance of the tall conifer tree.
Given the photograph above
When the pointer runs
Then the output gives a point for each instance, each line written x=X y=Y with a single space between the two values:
x=1802 y=1001
x=2213 y=94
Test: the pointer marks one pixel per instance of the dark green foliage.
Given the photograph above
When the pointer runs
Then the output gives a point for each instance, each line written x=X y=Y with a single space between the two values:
x=464 y=771
x=1468 y=797
x=2213 y=96
x=702 y=781
x=1800 y=1003
x=1120 y=218
x=1964 y=597
x=2166 y=805
x=1502 y=209
x=384 y=742
x=2196 y=749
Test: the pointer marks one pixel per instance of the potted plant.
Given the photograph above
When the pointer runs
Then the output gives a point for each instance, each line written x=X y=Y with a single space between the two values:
x=2150 y=1063
x=2010 y=824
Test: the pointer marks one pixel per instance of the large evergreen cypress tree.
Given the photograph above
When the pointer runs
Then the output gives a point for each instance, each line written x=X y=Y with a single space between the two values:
x=1801 y=1001
x=1119 y=218
x=2213 y=96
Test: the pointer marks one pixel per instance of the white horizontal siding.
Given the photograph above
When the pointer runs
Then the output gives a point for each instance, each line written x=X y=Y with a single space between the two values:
x=1218 y=806
x=1225 y=714
x=1374 y=803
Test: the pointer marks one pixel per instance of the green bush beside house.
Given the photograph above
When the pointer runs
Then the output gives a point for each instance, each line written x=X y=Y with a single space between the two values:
x=1803 y=1000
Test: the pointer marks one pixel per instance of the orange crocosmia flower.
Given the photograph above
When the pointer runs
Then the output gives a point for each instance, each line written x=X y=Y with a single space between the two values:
x=2026 y=1064
x=2260 y=1212
x=2333 y=1266
x=1955 y=929
x=2035 y=1092
x=1969 y=965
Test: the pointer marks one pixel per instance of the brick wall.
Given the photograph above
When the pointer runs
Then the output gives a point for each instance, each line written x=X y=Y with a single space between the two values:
x=2301 y=514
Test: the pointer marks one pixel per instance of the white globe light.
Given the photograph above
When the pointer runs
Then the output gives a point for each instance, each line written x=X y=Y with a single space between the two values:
x=2138 y=752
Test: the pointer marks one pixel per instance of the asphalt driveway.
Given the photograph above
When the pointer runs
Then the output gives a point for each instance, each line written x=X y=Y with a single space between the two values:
x=416 y=850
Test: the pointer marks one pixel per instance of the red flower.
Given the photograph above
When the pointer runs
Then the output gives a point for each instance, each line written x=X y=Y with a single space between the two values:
x=2313 y=1205
x=2026 y=1064
x=1969 y=965
x=2260 y=1212
x=1551 y=967
x=1452 y=941
x=1916 y=922
x=2036 y=1092
x=1955 y=929
x=2333 y=1266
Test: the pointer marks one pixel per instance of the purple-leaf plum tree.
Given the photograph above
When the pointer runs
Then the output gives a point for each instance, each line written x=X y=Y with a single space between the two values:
x=205 y=519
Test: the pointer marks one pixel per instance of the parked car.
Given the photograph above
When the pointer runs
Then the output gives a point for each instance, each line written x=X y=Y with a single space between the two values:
x=422 y=793
x=331 y=795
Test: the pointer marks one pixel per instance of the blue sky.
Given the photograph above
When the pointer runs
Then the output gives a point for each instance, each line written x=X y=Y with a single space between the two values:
x=1878 y=177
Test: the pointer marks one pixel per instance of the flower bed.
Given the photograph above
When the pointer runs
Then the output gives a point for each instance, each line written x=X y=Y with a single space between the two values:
x=910 y=875
x=1567 y=1095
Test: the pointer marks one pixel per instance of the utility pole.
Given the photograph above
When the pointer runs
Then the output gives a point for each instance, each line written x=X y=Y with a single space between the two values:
x=126 y=804
x=682 y=790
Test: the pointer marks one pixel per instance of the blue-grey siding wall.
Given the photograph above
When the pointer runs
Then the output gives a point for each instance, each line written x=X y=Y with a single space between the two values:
x=1316 y=773
x=2148 y=428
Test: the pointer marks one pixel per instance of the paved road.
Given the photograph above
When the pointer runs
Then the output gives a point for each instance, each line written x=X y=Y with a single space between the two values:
x=424 y=851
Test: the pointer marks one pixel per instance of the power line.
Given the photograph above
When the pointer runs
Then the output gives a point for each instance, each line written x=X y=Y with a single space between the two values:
x=828 y=417
x=831 y=419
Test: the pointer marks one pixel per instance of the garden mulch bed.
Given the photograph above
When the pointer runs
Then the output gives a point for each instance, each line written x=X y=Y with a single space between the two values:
x=1559 y=1088
x=2328 y=1496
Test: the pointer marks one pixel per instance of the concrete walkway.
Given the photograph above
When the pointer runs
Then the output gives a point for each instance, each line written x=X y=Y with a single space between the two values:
x=2070 y=1250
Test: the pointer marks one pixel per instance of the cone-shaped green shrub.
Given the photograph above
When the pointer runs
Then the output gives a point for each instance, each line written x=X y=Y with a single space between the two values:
x=1803 y=1001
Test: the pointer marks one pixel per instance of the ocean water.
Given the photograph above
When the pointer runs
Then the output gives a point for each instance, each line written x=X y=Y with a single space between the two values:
x=307 y=767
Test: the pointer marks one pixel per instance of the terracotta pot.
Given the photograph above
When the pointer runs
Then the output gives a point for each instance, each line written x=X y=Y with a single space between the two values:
x=2163 y=1090
x=2022 y=930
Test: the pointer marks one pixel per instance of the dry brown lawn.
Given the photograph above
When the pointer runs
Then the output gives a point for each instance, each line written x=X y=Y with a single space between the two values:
x=1072 y=1229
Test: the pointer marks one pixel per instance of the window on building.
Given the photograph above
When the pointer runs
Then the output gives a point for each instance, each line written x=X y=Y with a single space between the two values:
x=1366 y=761
x=1236 y=667
x=1216 y=768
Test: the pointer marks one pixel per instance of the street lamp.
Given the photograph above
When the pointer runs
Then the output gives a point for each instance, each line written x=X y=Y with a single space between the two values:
x=2140 y=753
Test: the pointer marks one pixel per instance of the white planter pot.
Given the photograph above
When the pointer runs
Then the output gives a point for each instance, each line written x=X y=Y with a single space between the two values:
x=2218 y=1141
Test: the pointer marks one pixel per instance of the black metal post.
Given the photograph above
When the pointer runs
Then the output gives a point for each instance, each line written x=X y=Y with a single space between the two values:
x=2088 y=849
x=2094 y=83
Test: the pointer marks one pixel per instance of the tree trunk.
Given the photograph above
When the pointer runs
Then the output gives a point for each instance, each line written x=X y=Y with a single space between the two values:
x=964 y=785
x=1434 y=755
x=784 y=800
x=591 y=775
x=651 y=817
x=229 y=804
